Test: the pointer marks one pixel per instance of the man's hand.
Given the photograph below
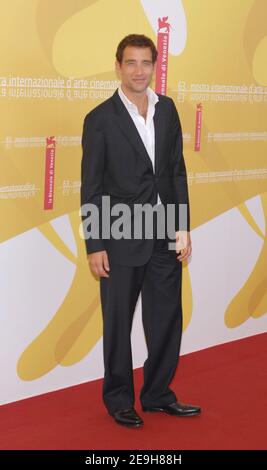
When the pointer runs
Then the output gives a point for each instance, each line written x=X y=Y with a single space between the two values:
x=98 y=263
x=183 y=245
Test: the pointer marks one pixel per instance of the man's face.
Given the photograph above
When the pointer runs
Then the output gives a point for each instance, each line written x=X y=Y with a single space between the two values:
x=136 y=69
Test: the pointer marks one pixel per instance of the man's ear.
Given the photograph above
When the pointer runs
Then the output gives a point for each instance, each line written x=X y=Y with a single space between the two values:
x=154 y=71
x=117 y=67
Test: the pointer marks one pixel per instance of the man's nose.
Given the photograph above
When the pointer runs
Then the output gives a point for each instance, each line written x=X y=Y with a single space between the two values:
x=139 y=69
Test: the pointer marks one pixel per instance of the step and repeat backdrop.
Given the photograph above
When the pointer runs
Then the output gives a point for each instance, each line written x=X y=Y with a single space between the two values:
x=57 y=63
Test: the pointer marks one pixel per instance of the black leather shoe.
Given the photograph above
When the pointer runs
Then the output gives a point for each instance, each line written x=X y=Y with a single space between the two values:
x=127 y=417
x=176 y=409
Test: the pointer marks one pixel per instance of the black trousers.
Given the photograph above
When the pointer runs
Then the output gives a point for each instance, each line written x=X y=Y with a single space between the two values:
x=159 y=281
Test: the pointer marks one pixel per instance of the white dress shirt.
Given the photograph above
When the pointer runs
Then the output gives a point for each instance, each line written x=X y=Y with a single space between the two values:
x=144 y=126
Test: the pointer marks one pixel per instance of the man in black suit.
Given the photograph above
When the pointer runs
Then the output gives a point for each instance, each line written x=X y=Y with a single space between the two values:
x=133 y=154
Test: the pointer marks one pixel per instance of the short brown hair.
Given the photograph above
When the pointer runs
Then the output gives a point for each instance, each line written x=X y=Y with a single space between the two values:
x=136 y=40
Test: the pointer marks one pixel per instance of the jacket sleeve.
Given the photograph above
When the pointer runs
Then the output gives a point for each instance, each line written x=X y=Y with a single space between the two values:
x=92 y=173
x=179 y=174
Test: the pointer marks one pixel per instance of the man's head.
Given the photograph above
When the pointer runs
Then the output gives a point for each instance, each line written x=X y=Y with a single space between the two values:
x=135 y=62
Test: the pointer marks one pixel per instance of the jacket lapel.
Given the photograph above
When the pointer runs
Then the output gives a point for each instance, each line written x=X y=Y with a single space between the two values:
x=128 y=127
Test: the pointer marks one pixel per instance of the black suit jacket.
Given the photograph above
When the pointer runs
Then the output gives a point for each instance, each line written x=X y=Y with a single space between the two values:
x=115 y=163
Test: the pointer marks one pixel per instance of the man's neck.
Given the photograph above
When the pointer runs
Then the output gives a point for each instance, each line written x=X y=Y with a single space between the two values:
x=139 y=99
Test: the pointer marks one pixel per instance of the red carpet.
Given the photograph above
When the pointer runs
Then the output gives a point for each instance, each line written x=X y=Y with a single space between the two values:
x=228 y=381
